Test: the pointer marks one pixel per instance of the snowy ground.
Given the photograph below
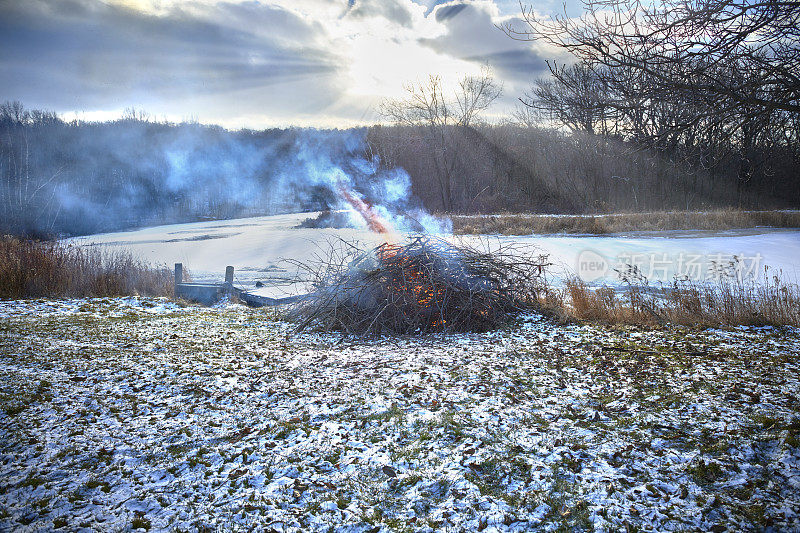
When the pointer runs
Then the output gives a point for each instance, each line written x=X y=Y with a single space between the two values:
x=131 y=413
x=256 y=247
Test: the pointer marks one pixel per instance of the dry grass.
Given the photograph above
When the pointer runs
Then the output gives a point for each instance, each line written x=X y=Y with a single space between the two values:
x=509 y=224
x=772 y=302
x=30 y=269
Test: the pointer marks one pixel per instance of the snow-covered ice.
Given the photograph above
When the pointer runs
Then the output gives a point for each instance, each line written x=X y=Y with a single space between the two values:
x=257 y=246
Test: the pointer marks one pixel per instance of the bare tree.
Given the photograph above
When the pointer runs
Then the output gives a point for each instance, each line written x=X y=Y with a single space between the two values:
x=475 y=95
x=687 y=49
x=26 y=195
x=711 y=82
x=576 y=97
x=427 y=105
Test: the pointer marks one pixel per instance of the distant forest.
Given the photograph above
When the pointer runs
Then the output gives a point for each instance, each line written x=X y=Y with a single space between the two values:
x=71 y=177
x=685 y=105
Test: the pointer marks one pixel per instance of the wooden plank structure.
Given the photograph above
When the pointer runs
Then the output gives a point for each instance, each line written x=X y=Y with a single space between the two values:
x=211 y=293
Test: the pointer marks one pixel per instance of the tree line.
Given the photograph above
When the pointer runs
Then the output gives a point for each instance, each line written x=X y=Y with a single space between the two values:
x=73 y=178
x=682 y=104
x=712 y=84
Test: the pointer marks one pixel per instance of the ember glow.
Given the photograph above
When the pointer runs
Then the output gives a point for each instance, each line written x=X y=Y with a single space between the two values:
x=418 y=284
x=405 y=282
x=412 y=285
x=422 y=286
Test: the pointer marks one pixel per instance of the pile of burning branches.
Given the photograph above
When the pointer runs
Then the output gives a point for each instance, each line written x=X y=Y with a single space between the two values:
x=426 y=285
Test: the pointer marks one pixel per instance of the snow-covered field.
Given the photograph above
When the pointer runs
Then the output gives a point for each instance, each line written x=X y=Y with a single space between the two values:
x=257 y=248
x=129 y=413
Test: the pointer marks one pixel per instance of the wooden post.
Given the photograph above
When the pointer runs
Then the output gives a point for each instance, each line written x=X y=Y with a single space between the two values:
x=178 y=276
x=229 y=275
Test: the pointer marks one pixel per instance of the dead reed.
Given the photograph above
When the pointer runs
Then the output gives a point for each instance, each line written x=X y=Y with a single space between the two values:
x=731 y=302
x=715 y=220
x=30 y=269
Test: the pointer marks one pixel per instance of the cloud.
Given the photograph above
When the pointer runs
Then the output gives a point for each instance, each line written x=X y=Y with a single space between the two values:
x=248 y=62
x=473 y=35
x=396 y=11
x=449 y=11
x=92 y=54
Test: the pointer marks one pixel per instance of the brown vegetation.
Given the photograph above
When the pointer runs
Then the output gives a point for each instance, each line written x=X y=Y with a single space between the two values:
x=432 y=297
x=30 y=269
x=532 y=169
x=431 y=286
x=772 y=302
x=722 y=219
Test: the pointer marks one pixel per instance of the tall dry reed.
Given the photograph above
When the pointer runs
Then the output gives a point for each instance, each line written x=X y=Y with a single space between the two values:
x=716 y=220
x=771 y=301
x=30 y=269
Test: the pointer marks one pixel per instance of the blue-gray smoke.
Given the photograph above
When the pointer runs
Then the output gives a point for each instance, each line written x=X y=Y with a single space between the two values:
x=79 y=178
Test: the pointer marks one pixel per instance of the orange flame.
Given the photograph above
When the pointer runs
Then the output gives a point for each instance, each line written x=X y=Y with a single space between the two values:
x=374 y=221
x=412 y=285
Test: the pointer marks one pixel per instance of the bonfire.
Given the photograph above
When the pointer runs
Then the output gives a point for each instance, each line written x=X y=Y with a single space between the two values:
x=427 y=285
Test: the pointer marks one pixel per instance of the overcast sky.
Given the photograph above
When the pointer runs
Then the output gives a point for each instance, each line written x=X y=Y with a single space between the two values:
x=252 y=63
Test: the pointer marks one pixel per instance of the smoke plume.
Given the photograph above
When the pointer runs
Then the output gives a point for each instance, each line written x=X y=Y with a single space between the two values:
x=80 y=178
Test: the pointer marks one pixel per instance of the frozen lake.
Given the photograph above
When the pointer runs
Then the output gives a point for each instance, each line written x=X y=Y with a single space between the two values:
x=258 y=247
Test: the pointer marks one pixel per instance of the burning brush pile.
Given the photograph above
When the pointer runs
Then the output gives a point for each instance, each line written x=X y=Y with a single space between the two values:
x=427 y=285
